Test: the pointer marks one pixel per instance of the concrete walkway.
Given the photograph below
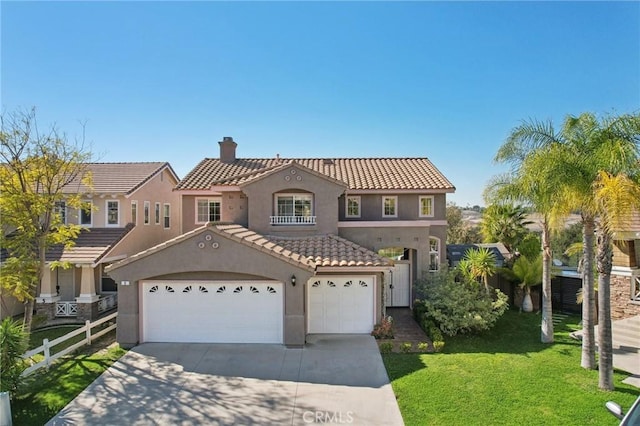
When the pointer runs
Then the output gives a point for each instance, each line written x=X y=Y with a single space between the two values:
x=334 y=379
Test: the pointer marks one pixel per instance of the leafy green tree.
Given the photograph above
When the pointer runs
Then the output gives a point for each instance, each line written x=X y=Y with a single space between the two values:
x=562 y=240
x=459 y=231
x=13 y=343
x=505 y=223
x=530 y=246
x=35 y=168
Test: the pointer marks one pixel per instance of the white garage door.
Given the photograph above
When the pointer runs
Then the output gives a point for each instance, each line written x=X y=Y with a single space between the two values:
x=212 y=311
x=341 y=304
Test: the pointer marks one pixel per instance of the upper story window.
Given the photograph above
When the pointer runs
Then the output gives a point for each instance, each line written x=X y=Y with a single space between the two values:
x=61 y=209
x=207 y=210
x=157 y=213
x=147 y=212
x=134 y=212
x=390 y=206
x=434 y=254
x=167 y=216
x=292 y=209
x=85 y=213
x=113 y=212
x=426 y=206
x=352 y=206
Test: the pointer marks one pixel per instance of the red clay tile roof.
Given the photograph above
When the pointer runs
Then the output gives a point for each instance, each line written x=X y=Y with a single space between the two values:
x=91 y=245
x=117 y=178
x=357 y=173
x=307 y=252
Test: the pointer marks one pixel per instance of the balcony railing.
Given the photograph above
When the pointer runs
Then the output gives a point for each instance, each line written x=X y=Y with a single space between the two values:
x=293 y=220
x=66 y=309
x=107 y=302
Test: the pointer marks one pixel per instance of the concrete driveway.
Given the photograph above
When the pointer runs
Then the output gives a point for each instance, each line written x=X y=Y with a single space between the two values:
x=334 y=379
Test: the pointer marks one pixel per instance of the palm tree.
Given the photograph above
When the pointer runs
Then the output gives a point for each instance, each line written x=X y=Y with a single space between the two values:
x=505 y=223
x=479 y=264
x=535 y=153
x=528 y=273
x=616 y=196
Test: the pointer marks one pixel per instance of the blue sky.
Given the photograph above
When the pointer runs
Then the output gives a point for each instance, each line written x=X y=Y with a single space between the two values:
x=164 y=81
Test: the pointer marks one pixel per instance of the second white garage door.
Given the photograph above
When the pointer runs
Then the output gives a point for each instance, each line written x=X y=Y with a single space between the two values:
x=212 y=311
x=341 y=304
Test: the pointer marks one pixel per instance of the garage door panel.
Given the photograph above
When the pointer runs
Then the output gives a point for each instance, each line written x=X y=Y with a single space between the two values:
x=341 y=305
x=224 y=312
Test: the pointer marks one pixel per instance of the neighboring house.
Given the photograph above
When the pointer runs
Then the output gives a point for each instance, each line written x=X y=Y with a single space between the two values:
x=274 y=249
x=134 y=207
x=625 y=275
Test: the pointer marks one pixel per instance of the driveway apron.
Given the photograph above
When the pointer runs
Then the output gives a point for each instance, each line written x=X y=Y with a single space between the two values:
x=334 y=379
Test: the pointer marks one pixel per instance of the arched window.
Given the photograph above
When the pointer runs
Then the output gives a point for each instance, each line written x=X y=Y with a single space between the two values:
x=434 y=254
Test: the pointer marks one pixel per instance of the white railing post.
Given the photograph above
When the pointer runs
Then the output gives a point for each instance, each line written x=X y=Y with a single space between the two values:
x=47 y=354
x=88 y=325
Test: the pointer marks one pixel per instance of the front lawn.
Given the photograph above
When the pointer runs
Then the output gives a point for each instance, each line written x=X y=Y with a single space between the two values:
x=505 y=376
x=44 y=393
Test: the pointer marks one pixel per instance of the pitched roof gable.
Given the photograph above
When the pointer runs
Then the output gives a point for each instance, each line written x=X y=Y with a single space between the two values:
x=356 y=173
x=118 y=178
x=91 y=245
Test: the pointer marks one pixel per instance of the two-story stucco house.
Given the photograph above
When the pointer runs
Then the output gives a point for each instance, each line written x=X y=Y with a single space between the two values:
x=274 y=249
x=133 y=207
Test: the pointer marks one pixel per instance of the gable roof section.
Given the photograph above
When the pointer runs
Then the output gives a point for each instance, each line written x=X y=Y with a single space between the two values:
x=306 y=252
x=118 y=178
x=357 y=173
x=264 y=173
x=90 y=246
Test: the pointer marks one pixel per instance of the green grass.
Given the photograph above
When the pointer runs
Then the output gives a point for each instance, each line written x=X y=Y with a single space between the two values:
x=505 y=376
x=36 y=337
x=43 y=394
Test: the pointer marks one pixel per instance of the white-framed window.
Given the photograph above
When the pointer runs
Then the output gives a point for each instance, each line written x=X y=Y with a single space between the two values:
x=85 y=213
x=208 y=210
x=113 y=212
x=389 y=206
x=635 y=289
x=425 y=205
x=434 y=254
x=352 y=206
x=296 y=205
x=61 y=210
x=134 y=212
x=147 y=212
x=157 y=213
x=167 y=216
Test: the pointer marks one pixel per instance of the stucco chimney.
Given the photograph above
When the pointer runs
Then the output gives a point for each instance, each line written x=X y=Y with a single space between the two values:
x=227 y=150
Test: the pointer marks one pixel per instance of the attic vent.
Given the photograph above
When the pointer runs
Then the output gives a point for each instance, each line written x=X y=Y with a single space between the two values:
x=327 y=161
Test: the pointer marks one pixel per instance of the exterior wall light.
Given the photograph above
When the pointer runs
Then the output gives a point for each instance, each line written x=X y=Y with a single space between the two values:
x=293 y=280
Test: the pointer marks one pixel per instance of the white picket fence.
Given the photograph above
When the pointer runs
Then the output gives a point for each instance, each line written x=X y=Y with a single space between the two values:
x=47 y=345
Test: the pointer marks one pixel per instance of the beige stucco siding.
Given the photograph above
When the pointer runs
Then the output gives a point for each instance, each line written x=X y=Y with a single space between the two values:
x=261 y=193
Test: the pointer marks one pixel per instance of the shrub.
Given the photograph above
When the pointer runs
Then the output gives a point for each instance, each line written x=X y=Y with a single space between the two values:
x=13 y=343
x=383 y=330
x=423 y=346
x=438 y=346
x=386 y=347
x=457 y=306
x=406 y=347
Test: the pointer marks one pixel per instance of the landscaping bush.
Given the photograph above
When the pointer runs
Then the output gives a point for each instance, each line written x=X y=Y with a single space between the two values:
x=406 y=347
x=13 y=343
x=438 y=346
x=386 y=347
x=423 y=346
x=457 y=306
x=383 y=330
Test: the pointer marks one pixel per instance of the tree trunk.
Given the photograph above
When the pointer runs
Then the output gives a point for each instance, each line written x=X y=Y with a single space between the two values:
x=35 y=287
x=546 y=329
x=604 y=261
x=588 y=296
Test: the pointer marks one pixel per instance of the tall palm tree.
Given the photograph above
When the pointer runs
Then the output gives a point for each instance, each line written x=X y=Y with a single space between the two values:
x=535 y=152
x=616 y=196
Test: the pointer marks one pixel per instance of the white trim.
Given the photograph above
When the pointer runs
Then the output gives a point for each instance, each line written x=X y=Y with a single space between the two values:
x=157 y=212
x=428 y=197
x=395 y=205
x=346 y=206
x=310 y=196
x=213 y=192
x=146 y=213
x=106 y=214
x=208 y=199
x=401 y=191
x=165 y=216
x=437 y=252
x=391 y=223
x=63 y=212
x=625 y=271
x=352 y=269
